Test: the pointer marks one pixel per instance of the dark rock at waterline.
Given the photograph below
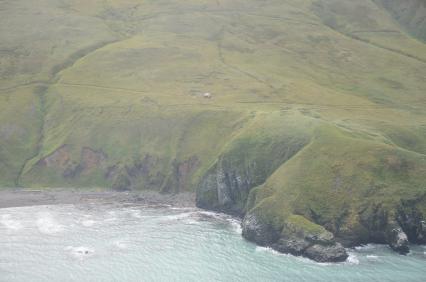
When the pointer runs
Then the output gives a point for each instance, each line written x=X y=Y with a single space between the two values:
x=293 y=246
x=225 y=187
x=230 y=186
x=397 y=239
x=412 y=221
x=256 y=231
x=298 y=237
x=224 y=190
x=330 y=253
x=422 y=235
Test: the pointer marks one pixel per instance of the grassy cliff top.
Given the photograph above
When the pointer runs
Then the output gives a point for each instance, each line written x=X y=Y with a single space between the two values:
x=111 y=92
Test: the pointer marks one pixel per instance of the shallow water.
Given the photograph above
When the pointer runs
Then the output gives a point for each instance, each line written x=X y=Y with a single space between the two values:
x=106 y=243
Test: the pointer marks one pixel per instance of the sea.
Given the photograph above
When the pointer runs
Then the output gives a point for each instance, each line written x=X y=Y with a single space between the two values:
x=105 y=242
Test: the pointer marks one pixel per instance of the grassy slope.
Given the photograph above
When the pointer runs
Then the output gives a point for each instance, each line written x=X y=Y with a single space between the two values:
x=336 y=178
x=109 y=93
x=410 y=14
x=20 y=116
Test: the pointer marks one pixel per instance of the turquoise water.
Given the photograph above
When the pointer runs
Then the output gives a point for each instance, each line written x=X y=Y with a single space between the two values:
x=110 y=243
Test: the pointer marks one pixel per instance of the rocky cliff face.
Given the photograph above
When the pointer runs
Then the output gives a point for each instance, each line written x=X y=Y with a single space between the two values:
x=247 y=162
x=298 y=237
x=411 y=217
x=310 y=207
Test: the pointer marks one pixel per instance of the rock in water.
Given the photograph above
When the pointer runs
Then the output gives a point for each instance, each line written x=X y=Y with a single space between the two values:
x=298 y=236
x=397 y=239
x=331 y=253
x=256 y=231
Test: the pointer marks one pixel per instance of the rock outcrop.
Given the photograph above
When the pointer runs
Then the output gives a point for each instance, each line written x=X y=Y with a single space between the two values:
x=257 y=231
x=247 y=163
x=224 y=189
x=412 y=220
x=298 y=236
x=312 y=206
x=397 y=239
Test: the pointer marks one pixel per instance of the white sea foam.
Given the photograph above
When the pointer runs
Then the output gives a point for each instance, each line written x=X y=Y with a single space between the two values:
x=46 y=224
x=10 y=223
x=366 y=247
x=191 y=221
x=136 y=213
x=372 y=257
x=112 y=216
x=80 y=252
x=120 y=244
x=211 y=214
x=180 y=208
x=185 y=217
x=88 y=223
x=352 y=259
x=143 y=246
x=268 y=250
x=179 y=216
x=236 y=225
x=193 y=217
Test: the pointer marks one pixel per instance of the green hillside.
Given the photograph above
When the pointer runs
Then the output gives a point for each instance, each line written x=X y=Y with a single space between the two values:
x=317 y=108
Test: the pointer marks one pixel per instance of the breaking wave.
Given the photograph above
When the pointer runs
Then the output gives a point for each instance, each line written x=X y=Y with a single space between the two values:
x=81 y=252
x=46 y=224
x=352 y=259
x=10 y=223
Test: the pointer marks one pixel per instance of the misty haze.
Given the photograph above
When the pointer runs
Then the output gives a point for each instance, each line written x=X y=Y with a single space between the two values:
x=213 y=140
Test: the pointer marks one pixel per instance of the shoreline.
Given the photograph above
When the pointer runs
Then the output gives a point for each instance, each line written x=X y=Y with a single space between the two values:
x=19 y=197
x=22 y=197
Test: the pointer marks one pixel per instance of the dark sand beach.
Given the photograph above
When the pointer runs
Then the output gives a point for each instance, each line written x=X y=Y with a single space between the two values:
x=12 y=197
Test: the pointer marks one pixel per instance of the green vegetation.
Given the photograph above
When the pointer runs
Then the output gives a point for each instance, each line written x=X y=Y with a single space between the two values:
x=337 y=179
x=298 y=222
x=411 y=14
x=317 y=107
